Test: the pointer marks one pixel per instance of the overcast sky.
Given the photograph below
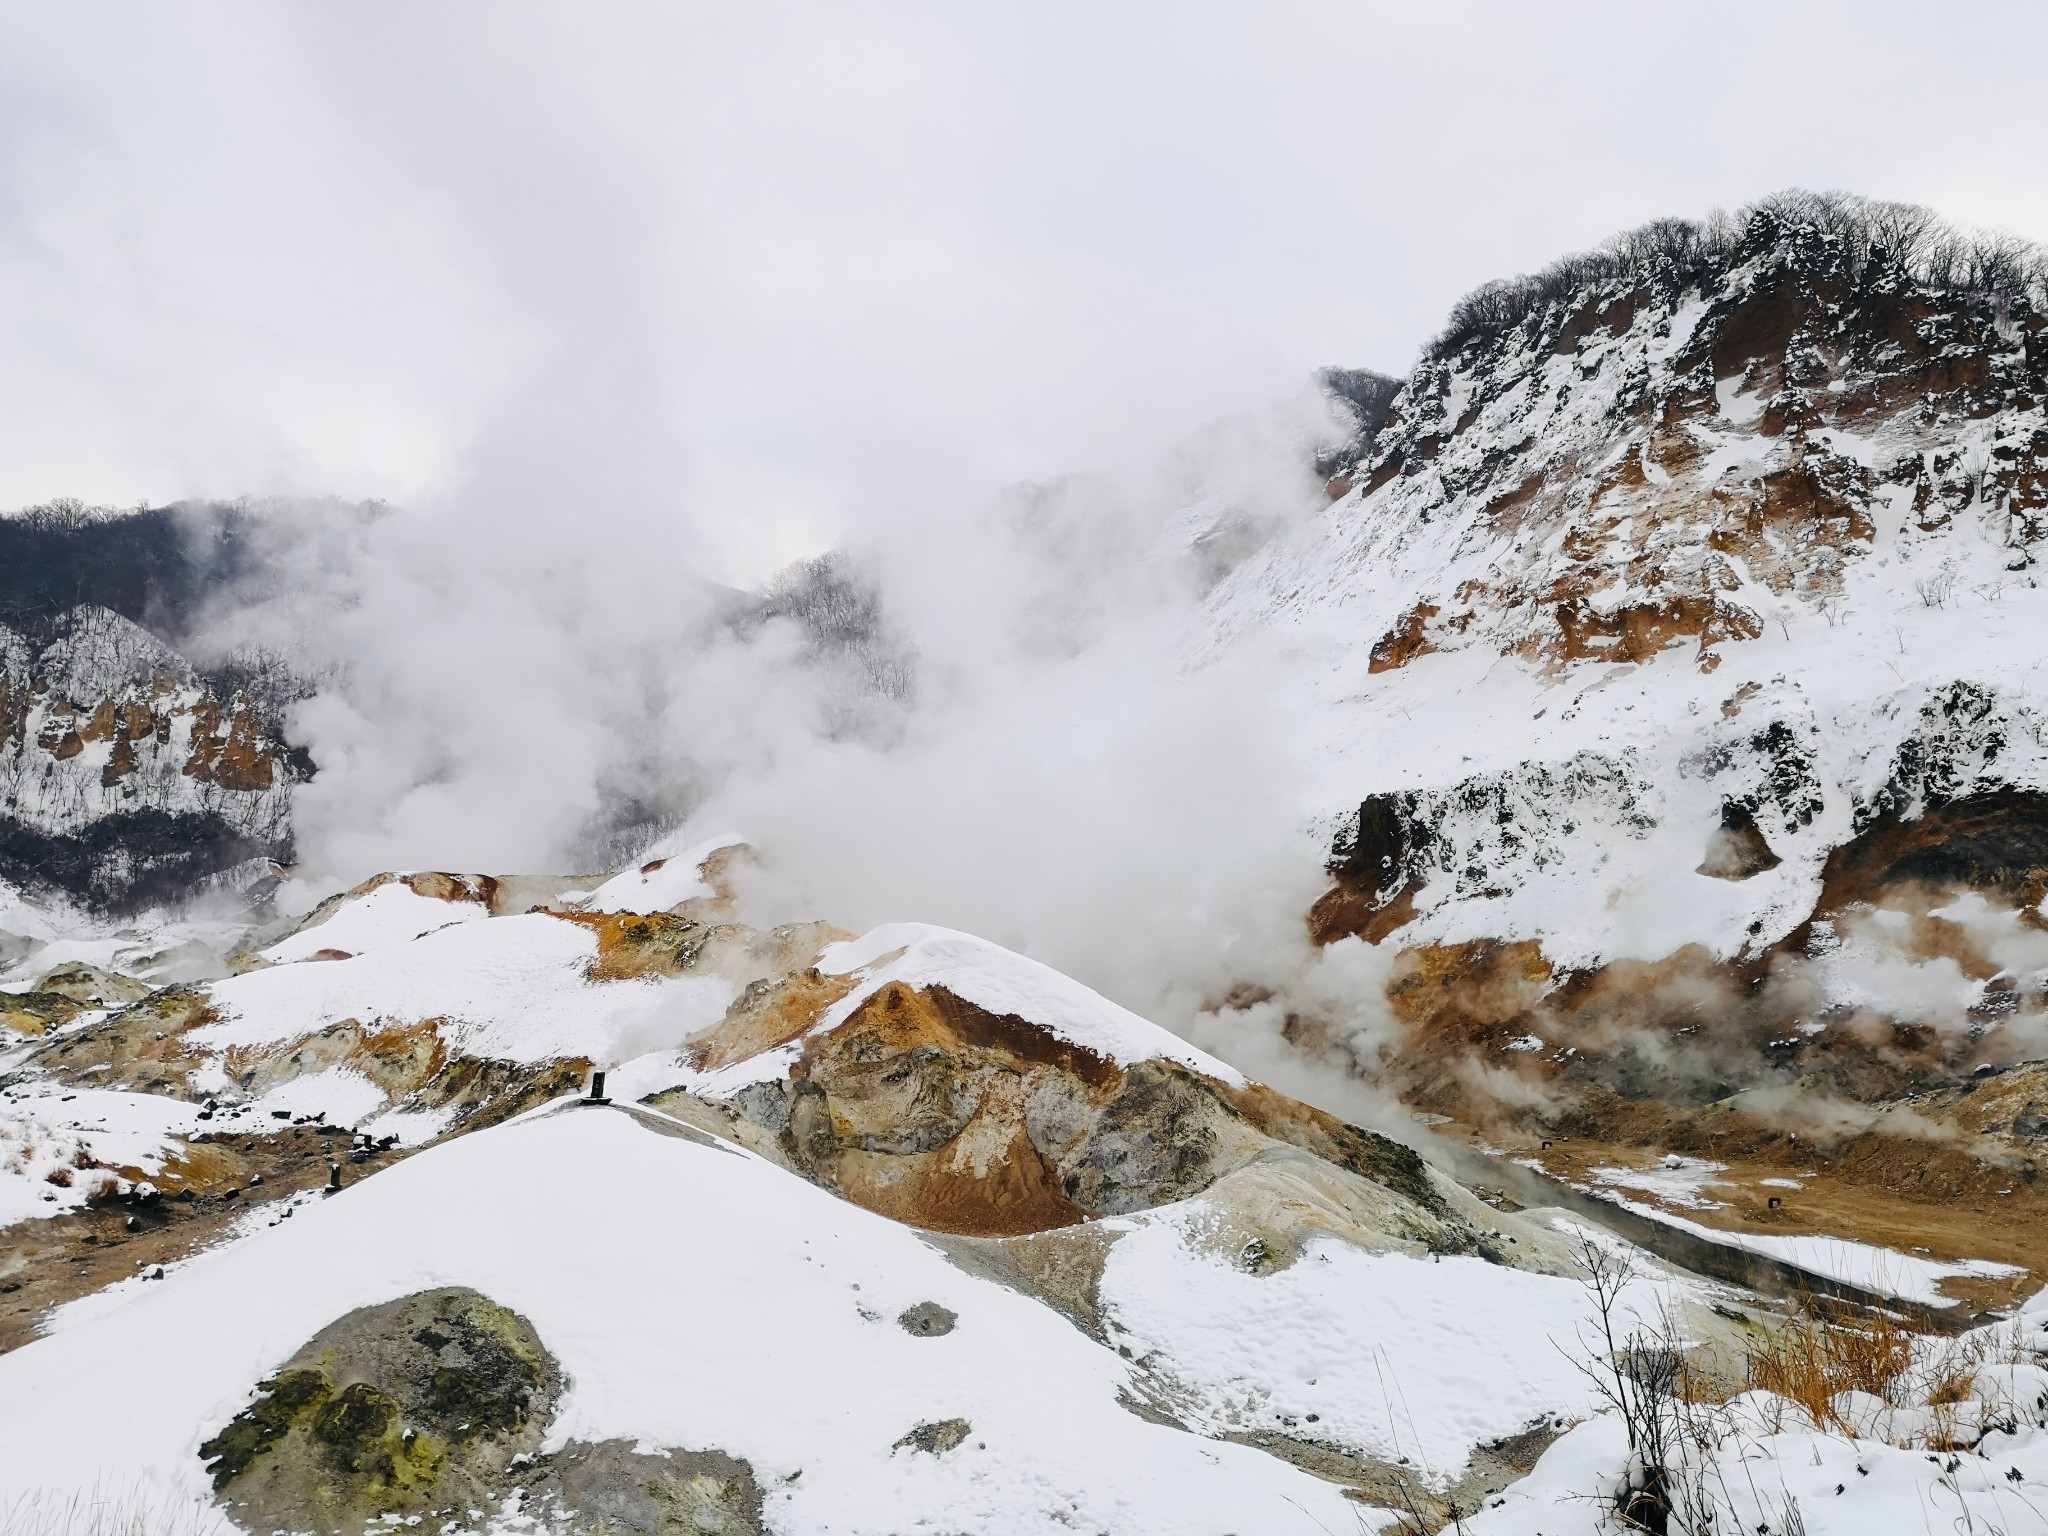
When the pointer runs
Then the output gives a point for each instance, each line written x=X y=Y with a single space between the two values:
x=772 y=269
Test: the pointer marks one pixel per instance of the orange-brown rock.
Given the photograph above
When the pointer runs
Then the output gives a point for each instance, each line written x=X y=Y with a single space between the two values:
x=934 y=1111
x=1406 y=641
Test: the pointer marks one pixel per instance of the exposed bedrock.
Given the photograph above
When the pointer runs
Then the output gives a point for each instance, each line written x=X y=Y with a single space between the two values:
x=931 y=1110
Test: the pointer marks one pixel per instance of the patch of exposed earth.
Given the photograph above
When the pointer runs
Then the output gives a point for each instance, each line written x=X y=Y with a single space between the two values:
x=217 y=1186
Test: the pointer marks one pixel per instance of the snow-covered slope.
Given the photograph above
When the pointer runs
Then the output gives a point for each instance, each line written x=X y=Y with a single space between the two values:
x=1731 y=526
x=738 y=1310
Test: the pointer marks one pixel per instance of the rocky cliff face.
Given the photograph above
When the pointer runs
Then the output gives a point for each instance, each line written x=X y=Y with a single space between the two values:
x=1780 y=439
x=127 y=776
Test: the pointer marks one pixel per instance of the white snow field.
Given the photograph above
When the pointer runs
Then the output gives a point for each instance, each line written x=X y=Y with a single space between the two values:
x=45 y=1129
x=393 y=913
x=696 y=1296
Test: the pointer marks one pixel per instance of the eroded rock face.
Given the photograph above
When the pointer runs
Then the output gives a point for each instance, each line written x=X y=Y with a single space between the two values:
x=91 y=987
x=1569 y=423
x=430 y=1410
x=1738 y=849
x=935 y=1112
x=36 y=1012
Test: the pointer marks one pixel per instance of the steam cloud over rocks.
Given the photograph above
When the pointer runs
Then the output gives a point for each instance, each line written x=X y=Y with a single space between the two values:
x=984 y=720
x=844 y=712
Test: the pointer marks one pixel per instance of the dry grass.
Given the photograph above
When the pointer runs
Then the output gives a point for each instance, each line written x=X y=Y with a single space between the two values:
x=1810 y=1362
x=129 y=1512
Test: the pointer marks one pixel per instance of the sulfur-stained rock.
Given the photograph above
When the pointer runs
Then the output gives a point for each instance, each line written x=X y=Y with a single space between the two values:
x=94 y=988
x=429 y=1412
x=613 y=1488
x=931 y=1110
x=409 y=1409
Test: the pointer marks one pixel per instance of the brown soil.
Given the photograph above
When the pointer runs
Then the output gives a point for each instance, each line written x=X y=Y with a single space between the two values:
x=1996 y=843
x=1347 y=908
x=899 y=1019
x=46 y=1263
x=1900 y=1135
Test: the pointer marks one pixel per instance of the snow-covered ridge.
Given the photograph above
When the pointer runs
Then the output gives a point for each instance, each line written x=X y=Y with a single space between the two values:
x=625 y=1302
x=1005 y=983
x=664 y=882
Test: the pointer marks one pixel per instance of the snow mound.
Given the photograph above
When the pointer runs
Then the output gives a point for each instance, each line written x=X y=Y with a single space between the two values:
x=391 y=913
x=1003 y=982
x=58 y=1146
x=663 y=883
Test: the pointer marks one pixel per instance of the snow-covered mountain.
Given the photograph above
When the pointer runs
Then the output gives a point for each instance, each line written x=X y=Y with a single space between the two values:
x=129 y=778
x=1730 y=524
x=1660 y=669
x=125 y=778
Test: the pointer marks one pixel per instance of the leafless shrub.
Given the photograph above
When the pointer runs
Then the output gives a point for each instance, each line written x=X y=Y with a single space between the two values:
x=1642 y=1376
x=1692 y=1460
x=1936 y=589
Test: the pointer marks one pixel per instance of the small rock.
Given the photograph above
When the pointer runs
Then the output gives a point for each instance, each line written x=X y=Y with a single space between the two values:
x=928 y=1320
x=937 y=1438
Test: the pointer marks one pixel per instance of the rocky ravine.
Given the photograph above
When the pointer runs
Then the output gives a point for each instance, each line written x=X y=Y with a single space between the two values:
x=1060 y=1154
x=864 y=1233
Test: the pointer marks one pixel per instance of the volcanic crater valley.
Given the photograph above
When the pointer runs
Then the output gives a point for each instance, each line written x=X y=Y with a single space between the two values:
x=1660 y=1092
